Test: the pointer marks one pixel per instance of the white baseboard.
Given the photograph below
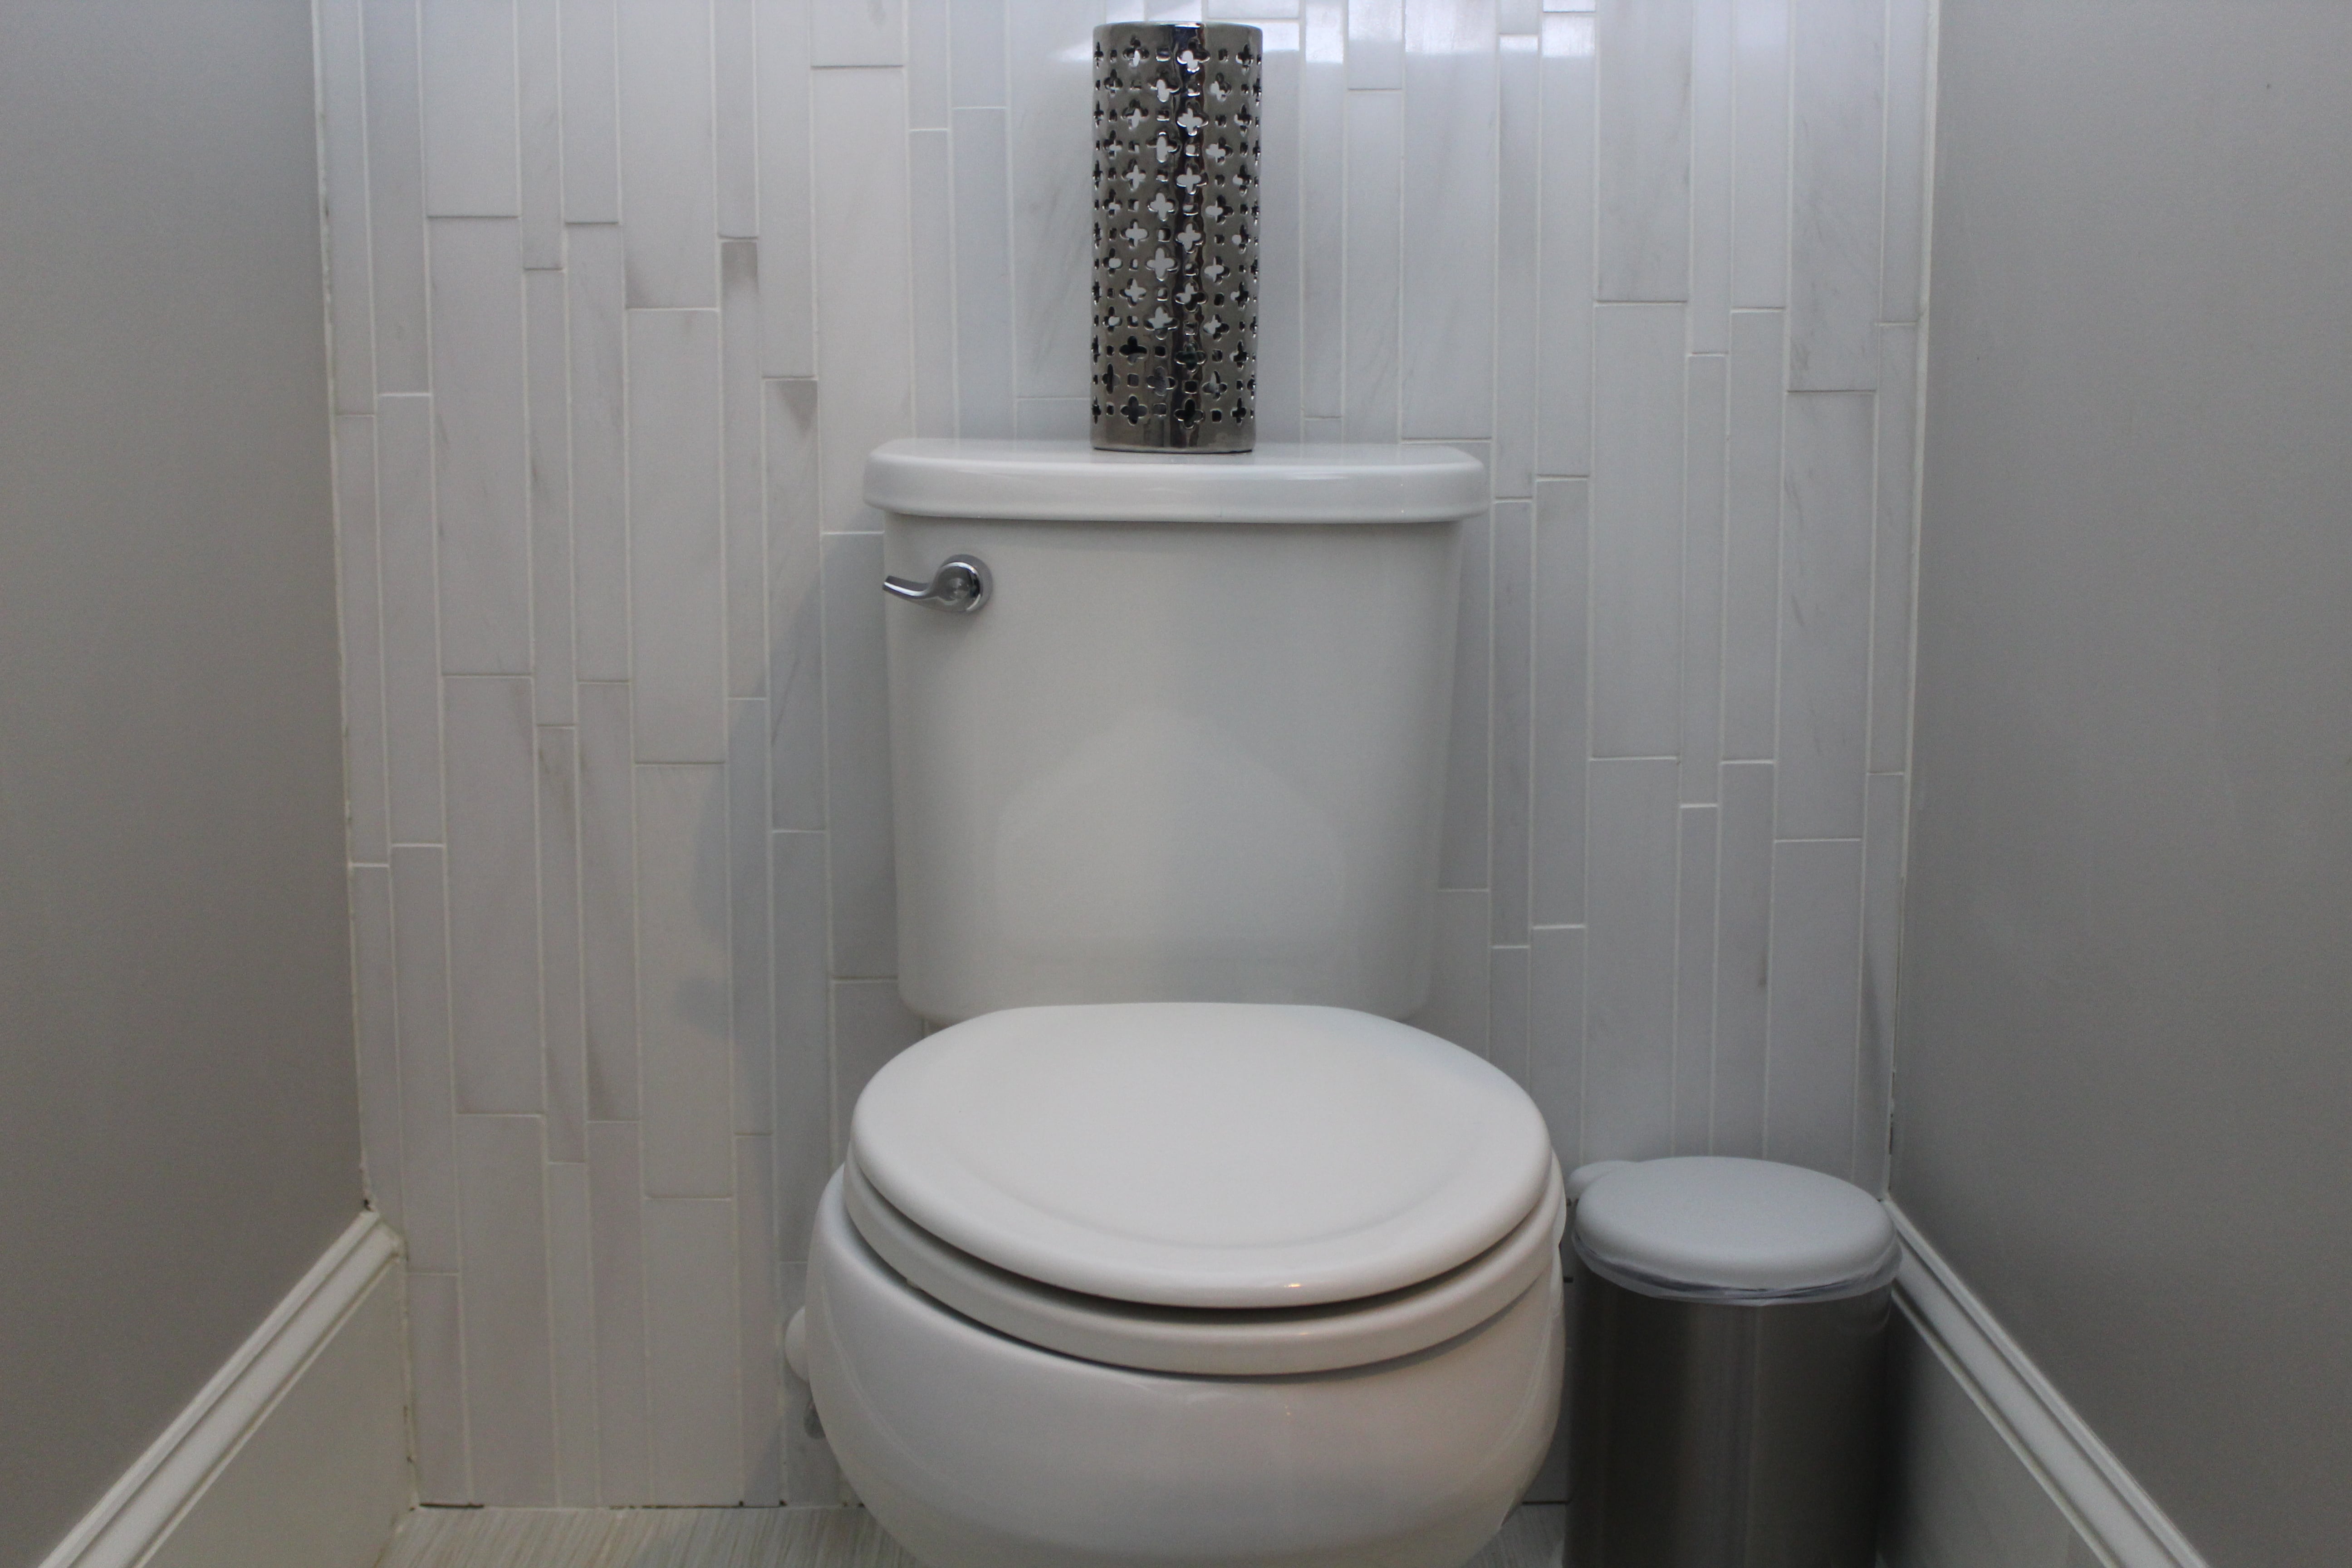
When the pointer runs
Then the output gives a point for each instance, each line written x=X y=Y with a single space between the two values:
x=2099 y=1497
x=295 y=1454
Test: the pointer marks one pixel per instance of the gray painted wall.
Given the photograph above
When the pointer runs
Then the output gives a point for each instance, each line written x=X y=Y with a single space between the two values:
x=177 y=1111
x=2126 y=1068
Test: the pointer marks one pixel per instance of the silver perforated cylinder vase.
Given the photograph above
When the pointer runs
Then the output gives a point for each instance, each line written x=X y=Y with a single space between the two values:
x=1176 y=221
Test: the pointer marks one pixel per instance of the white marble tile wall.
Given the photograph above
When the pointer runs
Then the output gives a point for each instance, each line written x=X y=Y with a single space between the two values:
x=622 y=292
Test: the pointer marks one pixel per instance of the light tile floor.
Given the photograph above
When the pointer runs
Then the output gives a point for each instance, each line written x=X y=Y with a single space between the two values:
x=752 y=1538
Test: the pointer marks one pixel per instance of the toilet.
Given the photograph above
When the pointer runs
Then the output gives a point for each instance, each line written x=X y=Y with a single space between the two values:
x=1171 y=1243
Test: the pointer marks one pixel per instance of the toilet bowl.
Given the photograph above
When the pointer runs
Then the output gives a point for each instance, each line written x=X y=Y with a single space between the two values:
x=1188 y=1283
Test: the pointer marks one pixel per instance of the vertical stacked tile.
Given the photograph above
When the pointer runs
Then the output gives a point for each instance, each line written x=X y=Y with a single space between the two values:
x=578 y=468
x=622 y=292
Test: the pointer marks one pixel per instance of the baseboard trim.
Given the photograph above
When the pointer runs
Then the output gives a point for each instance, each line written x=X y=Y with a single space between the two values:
x=2089 y=1483
x=138 y=1512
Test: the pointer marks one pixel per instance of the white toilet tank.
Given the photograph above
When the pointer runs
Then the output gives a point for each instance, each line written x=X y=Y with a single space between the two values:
x=1190 y=746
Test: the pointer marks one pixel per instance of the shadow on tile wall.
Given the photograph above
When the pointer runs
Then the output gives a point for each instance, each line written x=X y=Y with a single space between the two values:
x=621 y=296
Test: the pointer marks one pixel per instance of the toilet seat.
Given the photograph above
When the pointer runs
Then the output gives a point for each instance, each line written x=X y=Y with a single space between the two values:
x=1200 y=1155
x=1213 y=1342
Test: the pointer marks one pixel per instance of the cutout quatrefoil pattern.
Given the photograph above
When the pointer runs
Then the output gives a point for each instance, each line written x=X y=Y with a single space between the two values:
x=1176 y=242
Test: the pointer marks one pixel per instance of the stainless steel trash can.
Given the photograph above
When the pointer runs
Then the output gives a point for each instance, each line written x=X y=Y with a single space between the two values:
x=1728 y=1367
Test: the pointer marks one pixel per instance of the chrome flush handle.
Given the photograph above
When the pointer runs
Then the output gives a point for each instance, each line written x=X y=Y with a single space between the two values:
x=959 y=585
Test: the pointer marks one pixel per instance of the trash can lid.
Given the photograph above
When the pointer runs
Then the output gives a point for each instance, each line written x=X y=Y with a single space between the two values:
x=1704 y=1227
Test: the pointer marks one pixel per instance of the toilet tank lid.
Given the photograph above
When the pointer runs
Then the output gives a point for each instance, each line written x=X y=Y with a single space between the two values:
x=1069 y=481
x=1705 y=1227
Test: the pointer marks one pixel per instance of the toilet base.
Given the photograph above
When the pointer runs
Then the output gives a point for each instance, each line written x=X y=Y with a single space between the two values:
x=976 y=1450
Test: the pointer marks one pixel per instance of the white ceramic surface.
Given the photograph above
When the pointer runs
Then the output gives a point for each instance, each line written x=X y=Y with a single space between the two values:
x=1719 y=1227
x=1069 y=481
x=1203 y=1154
x=978 y=1451
x=1217 y=1343
x=1169 y=761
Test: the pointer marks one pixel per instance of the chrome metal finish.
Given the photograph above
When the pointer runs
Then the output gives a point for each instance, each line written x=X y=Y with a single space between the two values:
x=1733 y=1436
x=1176 y=237
x=961 y=584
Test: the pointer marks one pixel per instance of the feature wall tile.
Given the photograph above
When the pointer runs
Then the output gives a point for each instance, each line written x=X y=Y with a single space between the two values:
x=1637 y=508
x=863 y=291
x=1629 y=1086
x=595 y=291
x=976 y=52
x=1375 y=51
x=1714 y=139
x=547 y=397
x=562 y=1018
x=493 y=894
x=1644 y=49
x=617 y=1251
x=376 y=1039
x=1565 y=230
x=786 y=172
x=682 y=988
x=1372 y=258
x=1450 y=105
x=860 y=33
x=795 y=661
x=1910 y=28
x=436 y=1399
x=1518 y=266
x=1759 y=180
x=803 y=1115
x=1836 y=186
x=510 y=1366
x=676 y=523
x=608 y=901
x=360 y=565
x=857 y=761
x=1050 y=71
x=1558 y=740
x=1743 y=957
x=1281 y=362
x=735 y=86
x=1753 y=414
x=930 y=197
x=428 y=1128
x=470 y=116
x=668 y=157
x=692 y=1359
x=1892 y=555
x=395 y=197
x=480 y=464
x=1882 y=931
x=1463 y=849
x=1811 y=1062
x=539 y=105
x=758 y=1327
x=623 y=293
x=590 y=127
x=984 y=275
x=1824 y=616
x=342 y=125
x=1322 y=206
x=572 y=1275
x=411 y=617
x=1509 y=790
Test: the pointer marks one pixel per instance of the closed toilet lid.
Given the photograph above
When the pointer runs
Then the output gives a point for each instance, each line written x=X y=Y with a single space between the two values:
x=1215 y=1342
x=1706 y=1228
x=1203 y=1154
